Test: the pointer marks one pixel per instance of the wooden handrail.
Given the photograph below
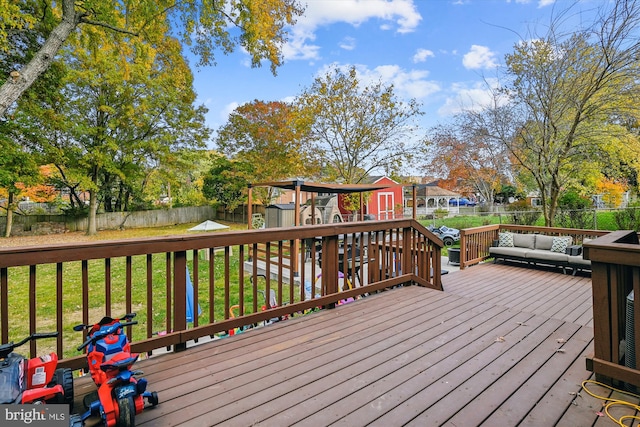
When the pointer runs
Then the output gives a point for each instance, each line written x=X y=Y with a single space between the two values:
x=66 y=284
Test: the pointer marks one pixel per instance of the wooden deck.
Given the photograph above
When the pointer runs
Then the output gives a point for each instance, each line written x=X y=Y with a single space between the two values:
x=501 y=346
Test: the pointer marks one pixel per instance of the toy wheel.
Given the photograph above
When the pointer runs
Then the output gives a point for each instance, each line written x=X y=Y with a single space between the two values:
x=153 y=399
x=448 y=241
x=126 y=412
x=64 y=377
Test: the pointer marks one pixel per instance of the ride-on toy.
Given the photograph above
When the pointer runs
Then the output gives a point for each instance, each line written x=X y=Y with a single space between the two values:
x=120 y=394
x=44 y=382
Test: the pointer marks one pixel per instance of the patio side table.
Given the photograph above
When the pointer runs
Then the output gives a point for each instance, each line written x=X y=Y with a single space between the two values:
x=454 y=256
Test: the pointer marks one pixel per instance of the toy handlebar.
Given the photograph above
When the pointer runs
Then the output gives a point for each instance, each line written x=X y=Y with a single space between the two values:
x=36 y=336
x=7 y=348
x=104 y=321
x=101 y=334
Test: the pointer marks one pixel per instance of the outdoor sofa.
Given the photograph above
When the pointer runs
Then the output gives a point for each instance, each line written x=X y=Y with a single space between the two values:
x=539 y=249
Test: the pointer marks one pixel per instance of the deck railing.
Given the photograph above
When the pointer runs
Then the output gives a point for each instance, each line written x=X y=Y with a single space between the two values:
x=188 y=287
x=615 y=273
x=476 y=241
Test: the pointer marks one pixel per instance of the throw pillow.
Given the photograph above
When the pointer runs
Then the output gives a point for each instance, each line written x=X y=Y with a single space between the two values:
x=560 y=244
x=505 y=240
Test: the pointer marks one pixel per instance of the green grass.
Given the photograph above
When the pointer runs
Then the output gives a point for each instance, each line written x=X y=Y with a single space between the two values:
x=45 y=292
x=605 y=220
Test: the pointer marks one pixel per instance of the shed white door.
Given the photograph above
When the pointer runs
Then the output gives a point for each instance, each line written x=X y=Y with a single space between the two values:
x=385 y=205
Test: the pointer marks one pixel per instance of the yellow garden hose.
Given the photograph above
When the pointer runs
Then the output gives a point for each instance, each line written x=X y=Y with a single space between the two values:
x=613 y=402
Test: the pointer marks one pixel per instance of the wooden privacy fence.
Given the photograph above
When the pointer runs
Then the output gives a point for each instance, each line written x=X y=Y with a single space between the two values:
x=475 y=242
x=201 y=285
x=615 y=276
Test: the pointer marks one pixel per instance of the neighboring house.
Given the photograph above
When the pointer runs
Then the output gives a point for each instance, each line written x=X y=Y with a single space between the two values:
x=428 y=199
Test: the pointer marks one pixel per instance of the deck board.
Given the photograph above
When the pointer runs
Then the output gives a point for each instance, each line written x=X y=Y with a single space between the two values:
x=483 y=352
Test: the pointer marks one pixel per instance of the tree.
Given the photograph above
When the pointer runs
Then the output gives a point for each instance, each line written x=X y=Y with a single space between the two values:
x=612 y=192
x=458 y=152
x=256 y=26
x=272 y=136
x=227 y=181
x=559 y=113
x=17 y=169
x=123 y=110
x=178 y=179
x=358 y=129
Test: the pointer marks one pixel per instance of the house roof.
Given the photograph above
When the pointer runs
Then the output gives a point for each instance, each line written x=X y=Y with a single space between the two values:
x=322 y=187
x=426 y=190
x=283 y=206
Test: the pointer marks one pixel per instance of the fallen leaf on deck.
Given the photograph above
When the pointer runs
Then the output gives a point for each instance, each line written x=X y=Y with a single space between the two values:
x=560 y=350
x=561 y=340
x=500 y=339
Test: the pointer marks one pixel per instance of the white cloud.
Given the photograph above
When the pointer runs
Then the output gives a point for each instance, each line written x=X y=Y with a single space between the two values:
x=541 y=3
x=298 y=48
x=421 y=55
x=472 y=97
x=227 y=110
x=400 y=14
x=479 y=57
x=348 y=43
x=406 y=84
x=412 y=83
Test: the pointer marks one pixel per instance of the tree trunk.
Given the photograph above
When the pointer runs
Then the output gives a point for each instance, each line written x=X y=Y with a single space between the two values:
x=93 y=208
x=10 y=209
x=14 y=87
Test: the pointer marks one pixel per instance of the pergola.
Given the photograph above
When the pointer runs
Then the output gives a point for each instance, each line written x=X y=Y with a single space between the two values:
x=299 y=186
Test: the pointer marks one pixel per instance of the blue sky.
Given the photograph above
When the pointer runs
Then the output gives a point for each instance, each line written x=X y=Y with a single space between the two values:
x=436 y=51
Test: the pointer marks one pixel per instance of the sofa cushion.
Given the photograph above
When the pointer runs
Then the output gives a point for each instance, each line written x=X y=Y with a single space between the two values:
x=505 y=240
x=506 y=251
x=578 y=260
x=560 y=244
x=540 y=255
x=544 y=242
x=524 y=240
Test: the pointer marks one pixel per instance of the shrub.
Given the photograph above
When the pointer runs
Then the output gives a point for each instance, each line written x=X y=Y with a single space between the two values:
x=440 y=213
x=523 y=214
x=573 y=211
x=629 y=218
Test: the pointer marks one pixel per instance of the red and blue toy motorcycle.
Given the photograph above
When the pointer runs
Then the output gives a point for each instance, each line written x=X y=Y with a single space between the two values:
x=37 y=380
x=120 y=394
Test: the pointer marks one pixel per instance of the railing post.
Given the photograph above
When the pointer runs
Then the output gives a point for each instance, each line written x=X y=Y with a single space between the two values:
x=437 y=266
x=463 y=250
x=407 y=259
x=615 y=272
x=330 y=265
x=180 y=295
